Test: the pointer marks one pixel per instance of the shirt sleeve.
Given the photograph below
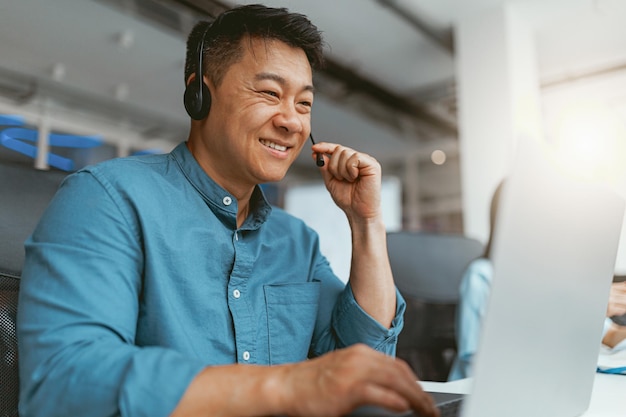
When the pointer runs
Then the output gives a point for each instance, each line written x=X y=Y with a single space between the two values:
x=474 y=293
x=342 y=322
x=77 y=314
x=353 y=325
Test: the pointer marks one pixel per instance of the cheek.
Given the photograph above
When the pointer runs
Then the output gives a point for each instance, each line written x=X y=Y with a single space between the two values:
x=300 y=149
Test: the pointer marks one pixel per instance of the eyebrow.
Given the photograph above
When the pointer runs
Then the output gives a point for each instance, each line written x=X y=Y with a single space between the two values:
x=280 y=80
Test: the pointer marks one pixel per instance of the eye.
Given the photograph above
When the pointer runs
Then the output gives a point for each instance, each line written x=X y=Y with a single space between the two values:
x=305 y=107
x=270 y=93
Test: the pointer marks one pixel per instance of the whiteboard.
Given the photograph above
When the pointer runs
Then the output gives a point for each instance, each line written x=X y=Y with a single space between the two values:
x=313 y=204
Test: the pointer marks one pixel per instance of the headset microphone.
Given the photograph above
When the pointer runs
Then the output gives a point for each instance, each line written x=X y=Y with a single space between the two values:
x=319 y=158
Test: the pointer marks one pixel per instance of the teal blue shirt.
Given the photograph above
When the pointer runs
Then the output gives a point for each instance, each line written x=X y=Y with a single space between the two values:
x=137 y=277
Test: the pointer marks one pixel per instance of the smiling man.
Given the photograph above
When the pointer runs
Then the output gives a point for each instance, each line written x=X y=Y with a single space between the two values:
x=167 y=285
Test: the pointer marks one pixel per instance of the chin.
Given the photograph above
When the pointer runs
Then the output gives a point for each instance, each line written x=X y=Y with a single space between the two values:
x=271 y=170
x=273 y=176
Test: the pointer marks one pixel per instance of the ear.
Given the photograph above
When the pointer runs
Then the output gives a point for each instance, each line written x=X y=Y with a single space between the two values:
x=190 y=78
x=205 y=79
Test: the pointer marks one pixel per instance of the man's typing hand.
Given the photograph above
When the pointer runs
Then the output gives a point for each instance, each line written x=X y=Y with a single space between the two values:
x=339 y=382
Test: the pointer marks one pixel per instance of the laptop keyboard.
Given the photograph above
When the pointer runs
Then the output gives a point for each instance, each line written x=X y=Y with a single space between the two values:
x=449 y=406
x=451 y=409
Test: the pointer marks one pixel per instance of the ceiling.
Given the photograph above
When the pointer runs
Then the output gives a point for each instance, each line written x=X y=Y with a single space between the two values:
x=115 y=67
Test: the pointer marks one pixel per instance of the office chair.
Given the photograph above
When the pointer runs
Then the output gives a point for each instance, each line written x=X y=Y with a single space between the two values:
x=25 y=193
x=427 y=269
x=9 y=381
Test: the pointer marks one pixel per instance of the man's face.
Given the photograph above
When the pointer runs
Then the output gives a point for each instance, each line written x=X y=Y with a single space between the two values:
x=260 y=115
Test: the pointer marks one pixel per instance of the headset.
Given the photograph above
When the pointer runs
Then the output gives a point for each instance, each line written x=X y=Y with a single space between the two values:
x=197 y=97
x=319 y=158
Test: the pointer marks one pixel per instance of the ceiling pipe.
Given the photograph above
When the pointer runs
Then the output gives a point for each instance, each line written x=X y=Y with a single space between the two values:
x=583 y=76
x=358 y=84
x=24 y=89
x=211 y=7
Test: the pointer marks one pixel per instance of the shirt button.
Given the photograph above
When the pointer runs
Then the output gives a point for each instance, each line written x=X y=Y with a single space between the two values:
x=246 y=356
x=236 y=294
x=227 y=201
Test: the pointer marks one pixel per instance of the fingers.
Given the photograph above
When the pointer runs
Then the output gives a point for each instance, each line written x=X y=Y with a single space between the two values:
x=343 y=380
x=617 y=300
x=390 y=383
x=343 y=163
x=408 y=387
x=386 y=398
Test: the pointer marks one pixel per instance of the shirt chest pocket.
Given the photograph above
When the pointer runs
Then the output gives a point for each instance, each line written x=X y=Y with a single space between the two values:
x=291 y=315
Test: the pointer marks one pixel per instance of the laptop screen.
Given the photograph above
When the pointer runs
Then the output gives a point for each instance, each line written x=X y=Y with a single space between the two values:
x=554 y=253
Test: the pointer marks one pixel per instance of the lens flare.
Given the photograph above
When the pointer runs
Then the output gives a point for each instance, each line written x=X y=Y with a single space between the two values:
x=591 y=143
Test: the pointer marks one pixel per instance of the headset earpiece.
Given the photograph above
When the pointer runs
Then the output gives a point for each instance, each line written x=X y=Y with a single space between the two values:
x=197 y=97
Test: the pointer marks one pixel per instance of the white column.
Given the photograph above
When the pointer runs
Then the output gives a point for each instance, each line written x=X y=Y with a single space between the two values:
x=43 y=138
x=498 y=93
x=411 y=192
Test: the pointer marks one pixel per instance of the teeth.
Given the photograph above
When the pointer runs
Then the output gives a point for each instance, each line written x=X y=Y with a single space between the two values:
x=273 y=145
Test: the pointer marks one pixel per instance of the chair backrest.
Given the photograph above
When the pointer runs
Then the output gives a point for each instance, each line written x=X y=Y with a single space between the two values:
x=429 y=266
x=24 y=193
x=427 y=269
x=9 y=380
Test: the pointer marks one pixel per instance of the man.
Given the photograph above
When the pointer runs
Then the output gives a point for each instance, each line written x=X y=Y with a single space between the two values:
x=164 y=285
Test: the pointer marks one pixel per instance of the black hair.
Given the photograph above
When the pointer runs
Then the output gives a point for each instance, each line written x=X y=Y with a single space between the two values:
x=222 y=38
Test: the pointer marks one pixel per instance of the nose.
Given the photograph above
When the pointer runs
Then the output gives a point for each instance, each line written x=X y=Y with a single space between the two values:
x=289 y=119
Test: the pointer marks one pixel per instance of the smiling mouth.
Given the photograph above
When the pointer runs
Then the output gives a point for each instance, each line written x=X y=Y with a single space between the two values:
x=273 y=145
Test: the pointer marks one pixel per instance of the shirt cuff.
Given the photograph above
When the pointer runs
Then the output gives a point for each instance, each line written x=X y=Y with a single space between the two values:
x=156 y=381
x=354 y=325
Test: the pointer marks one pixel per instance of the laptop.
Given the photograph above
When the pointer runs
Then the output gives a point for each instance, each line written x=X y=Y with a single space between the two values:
x=554 y=252
x=449 y=405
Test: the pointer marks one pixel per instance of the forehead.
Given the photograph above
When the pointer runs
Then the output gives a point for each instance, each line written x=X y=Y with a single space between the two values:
x=275 y=56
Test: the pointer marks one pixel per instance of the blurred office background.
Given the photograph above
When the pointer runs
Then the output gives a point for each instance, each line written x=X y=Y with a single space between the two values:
x=440 y=91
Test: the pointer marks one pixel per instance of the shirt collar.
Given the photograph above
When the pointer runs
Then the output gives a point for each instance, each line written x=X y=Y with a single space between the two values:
x=221 y=202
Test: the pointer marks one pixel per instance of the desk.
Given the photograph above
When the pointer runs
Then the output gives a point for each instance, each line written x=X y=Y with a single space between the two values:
x=608 y=398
